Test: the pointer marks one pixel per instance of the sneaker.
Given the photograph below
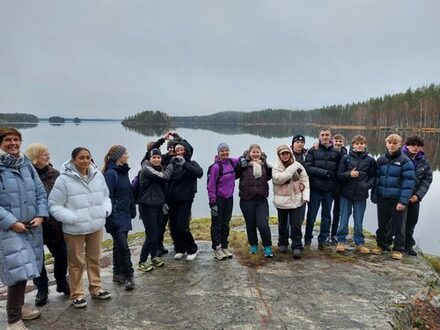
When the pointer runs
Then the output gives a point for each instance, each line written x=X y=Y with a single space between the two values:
x=192 y=256
x=377 y=251
x=333 y=241
x=102 y=295
x=362 y=249
x=19 y=325
x=397 y=255
x=119 y=278
x=129 y=283
x=79 y=303
x=64 y=288
x=268 y=252
x=29 y=313
x=227 y=253
x=157 y=262
x=253 y=249
x=145 y=266
x=411 y=252
x=282 y=249
x=296 y=253
x=161 y=251
x=219 y=254
x=340 y=247
x=41 y=298
x=179 y=256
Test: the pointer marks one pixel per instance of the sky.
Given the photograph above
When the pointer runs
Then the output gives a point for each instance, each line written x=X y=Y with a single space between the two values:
x=112 y=58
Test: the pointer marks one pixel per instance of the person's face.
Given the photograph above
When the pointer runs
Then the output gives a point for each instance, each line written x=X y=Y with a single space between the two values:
x=82 y=161
x=413 y=150
x=255 y=154
x=43 y=160
x=11 y=144
x=325 y=137
x=123 y=159
x=338 y=143
x=359 y=146
x=285 y=156
x=393 y=146
x=298 y=146
x=224 y=154
x=180 y=151
x=171 y=150
x=156 y=160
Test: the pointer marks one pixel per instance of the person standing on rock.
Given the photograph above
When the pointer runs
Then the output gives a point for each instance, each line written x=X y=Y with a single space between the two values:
x=394 y=187
x=254 y=173
x=321 y=165
x=153 y=180
x=221 y=184
x=52 y=232
x=357 y=175
x=291 y=193
x=80 y=200
x=118 y=223
x=413 y=148
x=181 y=190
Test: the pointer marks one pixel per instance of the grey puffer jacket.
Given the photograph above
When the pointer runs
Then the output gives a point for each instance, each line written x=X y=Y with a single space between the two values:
x=22 y=198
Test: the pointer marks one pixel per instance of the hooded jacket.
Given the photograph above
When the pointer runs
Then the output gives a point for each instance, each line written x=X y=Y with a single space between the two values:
x=221 y=186
x=153 y=182
x=81 y=205
x=423 y=173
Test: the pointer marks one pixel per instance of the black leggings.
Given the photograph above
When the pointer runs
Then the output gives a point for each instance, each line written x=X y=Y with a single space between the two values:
x=256 y=215
x=179 y=215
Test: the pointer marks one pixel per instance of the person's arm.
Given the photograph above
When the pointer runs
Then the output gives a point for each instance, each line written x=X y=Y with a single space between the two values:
x=344 y=174
x=193 y=168
x=212 y=184
x=408 y=181
x=304 y=180
x=372 y=173
x=280 y=177
x=425 y=183
x=57 y=200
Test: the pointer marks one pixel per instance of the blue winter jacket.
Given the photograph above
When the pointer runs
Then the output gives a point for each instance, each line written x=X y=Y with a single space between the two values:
x=395 y=178
x=22 y=198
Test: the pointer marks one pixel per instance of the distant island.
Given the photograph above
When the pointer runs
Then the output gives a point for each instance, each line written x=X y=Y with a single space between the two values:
x=17 y=118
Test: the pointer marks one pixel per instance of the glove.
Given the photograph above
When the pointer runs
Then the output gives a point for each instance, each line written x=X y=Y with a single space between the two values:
x=180 y=160
x=214 y=211
x=244 y=162
x=173 y=160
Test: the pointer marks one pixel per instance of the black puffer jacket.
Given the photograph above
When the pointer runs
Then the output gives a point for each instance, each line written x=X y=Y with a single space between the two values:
x=322 y=166
x=300 y=157
x=153 y=181
x=357 y=188
x=250 y=187
x=423 y=173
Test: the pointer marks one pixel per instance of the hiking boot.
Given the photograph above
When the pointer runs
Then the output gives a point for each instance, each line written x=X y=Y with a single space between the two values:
x=29 y=313
x=145 y=266
x=362 y=249
x=340 y=247
x=377 y=251
x=157 y=262
x=102 y=295
x=282 y=249
x=19 y=325
x=219 y=254
x=397 y=255
x=227 y=253
x=79 y=303
x=253 y=249
x=129 y=283
x=192 y=256
x=411 y=252
x=179 y=256
x=296 y=253
x=41 y=298
x=333 y=241
x=268 y=252
x=119 y=278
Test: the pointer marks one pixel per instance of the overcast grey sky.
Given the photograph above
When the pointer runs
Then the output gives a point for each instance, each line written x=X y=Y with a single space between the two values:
x=112 y=58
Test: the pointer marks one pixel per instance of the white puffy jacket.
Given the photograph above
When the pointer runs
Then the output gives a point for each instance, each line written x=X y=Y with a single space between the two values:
x=81 y=205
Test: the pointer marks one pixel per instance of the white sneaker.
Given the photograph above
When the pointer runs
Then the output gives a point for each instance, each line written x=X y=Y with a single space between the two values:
x=219 y=254
x=29 y=313
x=19 y=325
x=227 y=253
x=191 y=257
x=179 y=256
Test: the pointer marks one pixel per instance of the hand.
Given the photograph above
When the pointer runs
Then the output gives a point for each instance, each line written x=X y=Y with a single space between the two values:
x=19 y=227
x=36 y=221
x=243 y=162
x=166 y=136
x=354 y=173
x=400 y=207
x=180 y=160
x=173 y=160
x=414 y=199
x=214 y=211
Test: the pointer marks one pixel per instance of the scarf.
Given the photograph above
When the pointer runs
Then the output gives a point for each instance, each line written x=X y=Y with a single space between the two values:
x=256 y=167
x=10 y=160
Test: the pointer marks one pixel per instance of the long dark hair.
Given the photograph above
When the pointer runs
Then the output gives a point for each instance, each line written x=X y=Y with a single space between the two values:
x=77 y=150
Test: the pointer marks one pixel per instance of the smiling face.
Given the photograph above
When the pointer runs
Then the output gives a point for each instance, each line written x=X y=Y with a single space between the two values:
x=11 y=144
x=359 y=146
x=224 y=154
x=155 y=160
x=43 y=159
x=180 y=151
x=82 y=161
x=255 y=154
x=285 y=156
x=338 y=143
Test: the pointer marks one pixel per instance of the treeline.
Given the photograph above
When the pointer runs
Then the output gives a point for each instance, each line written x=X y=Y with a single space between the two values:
x=18 y=118
x=147 y=118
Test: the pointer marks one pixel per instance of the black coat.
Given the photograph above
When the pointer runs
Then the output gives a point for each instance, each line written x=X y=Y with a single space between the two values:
x=182 y=185
x=423 y=174
x=153 y=184
x=357 y=188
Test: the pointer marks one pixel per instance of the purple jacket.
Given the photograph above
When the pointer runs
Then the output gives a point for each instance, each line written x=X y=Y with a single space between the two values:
x=224 y=185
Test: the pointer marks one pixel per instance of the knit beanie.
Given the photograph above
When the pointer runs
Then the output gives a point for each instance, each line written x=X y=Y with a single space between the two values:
x=119 y=151
x=298 y=137
x=178 y=145
x=155 y=152
x=283 y=148
x=222 y=146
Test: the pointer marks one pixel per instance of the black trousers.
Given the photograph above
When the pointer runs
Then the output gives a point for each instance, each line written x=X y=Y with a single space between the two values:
x=289 y=225
x=180 y=216
x=152 y=217
x=15 y=301
x=412 y=217
x=121 y=254
x=256 y=215
x=220 y=223
x=391 y=225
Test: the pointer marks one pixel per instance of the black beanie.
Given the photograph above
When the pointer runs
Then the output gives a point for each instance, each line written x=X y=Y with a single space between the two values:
x=154 y=152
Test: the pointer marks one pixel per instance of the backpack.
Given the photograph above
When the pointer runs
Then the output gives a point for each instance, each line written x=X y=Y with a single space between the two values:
x=136 y=188
x=220 y=170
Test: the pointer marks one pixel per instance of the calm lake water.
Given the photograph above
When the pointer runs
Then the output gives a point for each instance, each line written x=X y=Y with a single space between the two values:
x=99 y=136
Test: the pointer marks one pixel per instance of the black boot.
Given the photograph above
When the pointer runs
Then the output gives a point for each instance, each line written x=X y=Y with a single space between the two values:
x=161 y=250
x=64 y=288
x=129 y=283
x=41 y=298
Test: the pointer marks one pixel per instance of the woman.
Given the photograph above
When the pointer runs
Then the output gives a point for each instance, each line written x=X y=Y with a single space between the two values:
x=80 y=200
x=254 y=173
x=23 y=205
x=153 y=179
x=291 y=193
x=52 y=233
x=118 y=223
x=180 y=194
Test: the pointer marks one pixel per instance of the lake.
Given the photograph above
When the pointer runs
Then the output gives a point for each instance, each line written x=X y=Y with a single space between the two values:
x=99 y=136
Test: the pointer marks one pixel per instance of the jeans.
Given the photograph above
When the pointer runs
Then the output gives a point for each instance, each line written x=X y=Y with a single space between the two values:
x=290 y=219
x=323 y=199
x=358 y=208
x=180 y=216
x=412 y=216
x=256 y=215
x=220 y=223
x=121 y=254
x=152 y=217
x=391 y=225
x=336 y=213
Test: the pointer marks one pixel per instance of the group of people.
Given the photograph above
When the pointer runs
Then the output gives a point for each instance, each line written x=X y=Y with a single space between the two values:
x=68 y=210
